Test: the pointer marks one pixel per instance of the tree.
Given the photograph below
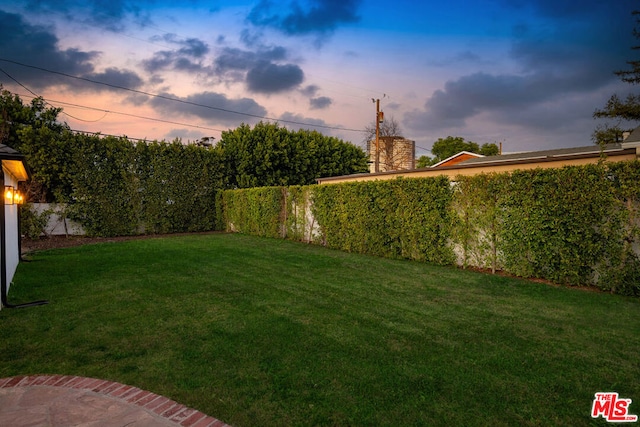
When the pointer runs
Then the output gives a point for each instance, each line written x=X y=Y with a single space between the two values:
x=627 y=109
x=388 y=127
x=34 y=130
x=424 y=162
x=607 y=134
x=444 y=148
x=270 y=155
x=489 y=149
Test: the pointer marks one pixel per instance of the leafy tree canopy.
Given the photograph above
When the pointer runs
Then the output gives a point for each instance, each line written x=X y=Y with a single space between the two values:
x=444 y=148
x=620 y=109
x=268 y=155
x=264 y=155
x=15 y=116
x=34 y=130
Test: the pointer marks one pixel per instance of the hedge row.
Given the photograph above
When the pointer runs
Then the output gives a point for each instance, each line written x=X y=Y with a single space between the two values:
x=573 y=225
x=404 y=218
x=120 y=188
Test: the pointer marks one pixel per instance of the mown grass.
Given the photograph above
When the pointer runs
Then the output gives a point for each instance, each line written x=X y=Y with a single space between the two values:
x=262 y=332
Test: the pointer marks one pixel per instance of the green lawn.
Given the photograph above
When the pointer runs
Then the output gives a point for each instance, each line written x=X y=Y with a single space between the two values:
x=262 y=332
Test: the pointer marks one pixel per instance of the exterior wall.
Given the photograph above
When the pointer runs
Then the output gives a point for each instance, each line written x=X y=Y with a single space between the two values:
x=395 y=154
x=11 y=227
x=453 y=171
x=57 y=224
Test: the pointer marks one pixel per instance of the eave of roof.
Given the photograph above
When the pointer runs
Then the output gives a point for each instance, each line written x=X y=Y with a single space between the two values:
x=461 y=153
x=575 y=152
x=13 y=161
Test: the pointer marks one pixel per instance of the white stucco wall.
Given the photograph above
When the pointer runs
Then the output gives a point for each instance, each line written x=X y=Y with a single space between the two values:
x=11 y=227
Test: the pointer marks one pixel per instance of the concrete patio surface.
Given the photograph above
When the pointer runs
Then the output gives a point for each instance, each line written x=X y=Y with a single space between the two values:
x=64 y=401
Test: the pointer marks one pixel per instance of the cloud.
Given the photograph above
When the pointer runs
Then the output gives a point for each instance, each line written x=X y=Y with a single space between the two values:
x=184 y=134
x=109 y=15
x=116 y=77
x=210 y=106
x=461 y=58
x=310 y=90
x=234 y=59
x=471 y=95
x=572 y=10
x=320 y=103
x=38 y=46
x=188 y=57
x=298 y=121
x=259 y=69
x=267 y=77
x=562 y=59
x=319 y=17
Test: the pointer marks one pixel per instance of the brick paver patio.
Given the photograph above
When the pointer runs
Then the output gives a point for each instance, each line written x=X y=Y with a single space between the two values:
x=65 y=400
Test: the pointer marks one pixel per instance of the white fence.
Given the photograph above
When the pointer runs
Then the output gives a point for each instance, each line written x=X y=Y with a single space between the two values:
x=58 y=224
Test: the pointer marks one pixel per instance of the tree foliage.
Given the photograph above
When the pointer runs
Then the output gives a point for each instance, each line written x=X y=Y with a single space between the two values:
x=34 y=130
x=621 y=109
x=607 y=134
x=444 y=148
x=268 y=155
x=114 y=186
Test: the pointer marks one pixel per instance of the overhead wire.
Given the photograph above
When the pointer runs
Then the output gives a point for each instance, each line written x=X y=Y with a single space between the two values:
x=37 y=96
x=137 y=116
x=170 y=98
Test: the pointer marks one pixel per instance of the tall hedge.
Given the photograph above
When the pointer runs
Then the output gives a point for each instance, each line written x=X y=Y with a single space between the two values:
x=559 y=224
x=407 y=218
x=622 y=273
x=105 y=197
x=478 y=225
x=122 y=188
x=572 y=225
x=256 y=211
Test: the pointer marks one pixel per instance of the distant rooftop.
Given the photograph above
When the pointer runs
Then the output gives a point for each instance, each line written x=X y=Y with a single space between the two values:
x=545 y=154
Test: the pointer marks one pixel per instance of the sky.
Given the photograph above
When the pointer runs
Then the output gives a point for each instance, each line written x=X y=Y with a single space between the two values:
x=525 y=73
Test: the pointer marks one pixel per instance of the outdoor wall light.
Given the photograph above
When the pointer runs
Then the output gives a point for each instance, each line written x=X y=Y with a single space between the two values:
x=8 y=195
x=18 y=198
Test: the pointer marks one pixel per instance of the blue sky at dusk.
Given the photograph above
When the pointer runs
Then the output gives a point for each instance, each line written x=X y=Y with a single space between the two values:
x=528 y=73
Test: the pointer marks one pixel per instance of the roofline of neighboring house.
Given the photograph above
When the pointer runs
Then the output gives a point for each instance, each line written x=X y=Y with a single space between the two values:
x=454 y=156
x=535 y=157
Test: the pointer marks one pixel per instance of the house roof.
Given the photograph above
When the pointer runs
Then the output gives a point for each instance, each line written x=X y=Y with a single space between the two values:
x=455 y=156
x=13 y=161
x=532 y=156
x=508 y=162
x=634 y=136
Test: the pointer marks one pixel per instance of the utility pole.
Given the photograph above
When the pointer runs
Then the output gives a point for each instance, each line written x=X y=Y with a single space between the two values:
x=379 y=118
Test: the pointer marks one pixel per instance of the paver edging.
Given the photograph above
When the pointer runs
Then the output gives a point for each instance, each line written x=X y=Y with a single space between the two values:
x=172 y=411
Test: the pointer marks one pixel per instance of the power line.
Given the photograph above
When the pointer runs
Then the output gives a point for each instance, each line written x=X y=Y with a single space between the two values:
x=106 y=134
x=133 y=115
x=49 y=101
x=35 y=94
x=169 y=98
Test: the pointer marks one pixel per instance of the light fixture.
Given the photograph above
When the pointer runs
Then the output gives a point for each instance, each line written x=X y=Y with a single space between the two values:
x=18 y=198
x=8 y=195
